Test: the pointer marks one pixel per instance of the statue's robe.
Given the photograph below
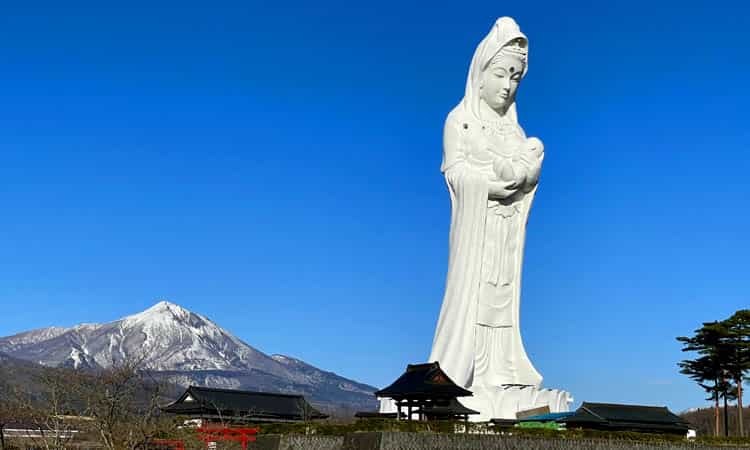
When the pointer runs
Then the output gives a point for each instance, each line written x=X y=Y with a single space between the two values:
x=460 y=346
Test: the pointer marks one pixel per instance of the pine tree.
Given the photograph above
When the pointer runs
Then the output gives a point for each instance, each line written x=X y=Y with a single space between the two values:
x=710 y=370
x=738 y=327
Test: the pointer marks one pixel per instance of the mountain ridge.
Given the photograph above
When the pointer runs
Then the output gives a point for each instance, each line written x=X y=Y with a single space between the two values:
x=184 y=347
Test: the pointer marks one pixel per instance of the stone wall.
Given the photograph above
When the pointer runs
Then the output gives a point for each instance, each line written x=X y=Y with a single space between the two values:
x=297 y=442
x=432 y=441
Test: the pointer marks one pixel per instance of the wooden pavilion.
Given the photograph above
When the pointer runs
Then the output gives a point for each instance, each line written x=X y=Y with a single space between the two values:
x=425 y=390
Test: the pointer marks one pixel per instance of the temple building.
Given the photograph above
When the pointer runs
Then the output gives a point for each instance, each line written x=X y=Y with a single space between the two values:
x=425 y=392
x=607 y=417
x=232 y=406
x=637 y=418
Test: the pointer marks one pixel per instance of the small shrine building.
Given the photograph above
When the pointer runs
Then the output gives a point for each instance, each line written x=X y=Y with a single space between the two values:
x=425 y=391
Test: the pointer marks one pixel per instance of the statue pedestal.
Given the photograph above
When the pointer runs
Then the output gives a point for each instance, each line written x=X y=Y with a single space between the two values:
x=504 y=402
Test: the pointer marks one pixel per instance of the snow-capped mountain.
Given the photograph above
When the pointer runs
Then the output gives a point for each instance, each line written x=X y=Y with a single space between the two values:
x=185 y=348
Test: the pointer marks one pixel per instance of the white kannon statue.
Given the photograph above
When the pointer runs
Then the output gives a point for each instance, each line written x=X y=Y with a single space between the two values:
x=492 y=170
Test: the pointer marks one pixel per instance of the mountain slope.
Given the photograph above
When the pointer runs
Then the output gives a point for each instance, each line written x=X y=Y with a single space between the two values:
x=184 y=348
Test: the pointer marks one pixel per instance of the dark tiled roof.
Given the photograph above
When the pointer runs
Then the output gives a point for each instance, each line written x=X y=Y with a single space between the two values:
x=584 y=415
x=425 y=381
x=451 y=408
x=632 y=417
x=504 y=422
x=233 y=404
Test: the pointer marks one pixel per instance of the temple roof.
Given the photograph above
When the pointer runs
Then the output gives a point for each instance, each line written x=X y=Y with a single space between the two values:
x=423 y=381
x=613 y=416
x=452 y=408
x=246 y=405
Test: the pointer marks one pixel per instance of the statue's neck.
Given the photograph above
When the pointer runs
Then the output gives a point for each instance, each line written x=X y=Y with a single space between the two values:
x=489 y=114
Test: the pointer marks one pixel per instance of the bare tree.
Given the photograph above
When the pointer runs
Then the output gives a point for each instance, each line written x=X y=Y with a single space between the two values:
x=49 y=408
x=124 y=403
x=9 y=405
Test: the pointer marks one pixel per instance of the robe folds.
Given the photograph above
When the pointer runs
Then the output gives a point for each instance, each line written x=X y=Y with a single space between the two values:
x=455 y=345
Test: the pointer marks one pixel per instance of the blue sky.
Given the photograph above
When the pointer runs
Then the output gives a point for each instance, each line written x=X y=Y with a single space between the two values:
x=276 y=168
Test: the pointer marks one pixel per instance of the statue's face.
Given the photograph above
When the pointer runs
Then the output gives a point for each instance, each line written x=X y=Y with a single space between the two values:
x=500 y=82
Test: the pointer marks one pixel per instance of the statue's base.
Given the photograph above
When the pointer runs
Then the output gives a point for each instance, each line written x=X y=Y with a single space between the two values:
x=505 y=402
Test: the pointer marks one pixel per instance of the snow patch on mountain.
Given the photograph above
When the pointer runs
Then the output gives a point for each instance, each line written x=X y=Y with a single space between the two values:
x=34 y=336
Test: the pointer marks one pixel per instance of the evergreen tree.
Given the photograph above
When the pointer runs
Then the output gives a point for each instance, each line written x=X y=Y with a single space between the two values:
x=710 y=369
x=738 y=327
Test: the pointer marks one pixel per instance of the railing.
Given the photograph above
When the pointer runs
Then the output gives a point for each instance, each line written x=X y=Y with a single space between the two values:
x=241 y=435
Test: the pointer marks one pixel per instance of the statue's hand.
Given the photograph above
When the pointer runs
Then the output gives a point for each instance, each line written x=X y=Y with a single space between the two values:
x=498 y=190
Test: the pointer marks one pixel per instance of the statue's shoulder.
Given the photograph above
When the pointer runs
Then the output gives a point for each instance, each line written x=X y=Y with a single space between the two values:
x=458 y=118
x=456 y=129
x=461 y=126
x=454 y=138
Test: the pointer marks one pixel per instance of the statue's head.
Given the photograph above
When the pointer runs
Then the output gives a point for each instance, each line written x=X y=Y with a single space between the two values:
x=500 y=62
x=501 y=76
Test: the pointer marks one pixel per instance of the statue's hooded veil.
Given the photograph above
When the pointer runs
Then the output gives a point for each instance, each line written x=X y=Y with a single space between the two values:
x=504 y=32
